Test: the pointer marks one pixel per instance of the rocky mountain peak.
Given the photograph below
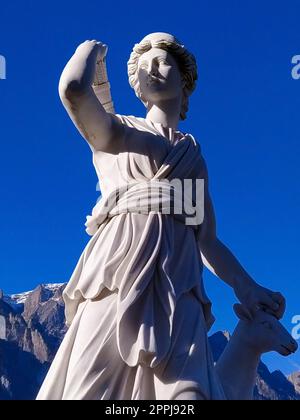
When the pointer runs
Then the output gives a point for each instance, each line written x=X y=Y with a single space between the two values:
x=294 y=378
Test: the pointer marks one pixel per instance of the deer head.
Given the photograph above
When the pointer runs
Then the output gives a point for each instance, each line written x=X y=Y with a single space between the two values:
x=263 y=332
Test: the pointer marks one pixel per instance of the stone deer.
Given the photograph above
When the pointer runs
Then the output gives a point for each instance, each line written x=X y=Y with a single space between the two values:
x=256 y=333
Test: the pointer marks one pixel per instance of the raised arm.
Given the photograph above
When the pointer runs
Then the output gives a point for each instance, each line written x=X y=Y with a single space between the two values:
x=221 y=262
x=99 y=128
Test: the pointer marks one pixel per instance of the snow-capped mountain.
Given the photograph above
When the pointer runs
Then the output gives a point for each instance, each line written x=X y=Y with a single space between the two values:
x=18 y=300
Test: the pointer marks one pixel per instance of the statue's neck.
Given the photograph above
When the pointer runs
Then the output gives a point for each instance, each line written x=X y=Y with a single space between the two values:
x=166 y=113
x=242 y=350
x=237 y=366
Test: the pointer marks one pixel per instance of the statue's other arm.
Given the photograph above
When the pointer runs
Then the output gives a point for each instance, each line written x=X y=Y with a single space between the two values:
x=221 y=262
x=99 y=128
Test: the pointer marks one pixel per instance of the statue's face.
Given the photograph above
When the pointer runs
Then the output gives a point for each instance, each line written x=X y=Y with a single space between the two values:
x=159 y=76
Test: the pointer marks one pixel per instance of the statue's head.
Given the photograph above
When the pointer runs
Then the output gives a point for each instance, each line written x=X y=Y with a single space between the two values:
x=161 y=68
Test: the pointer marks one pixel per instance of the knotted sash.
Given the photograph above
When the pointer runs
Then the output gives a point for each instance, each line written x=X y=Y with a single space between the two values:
x=145 y=304
x=161 y=193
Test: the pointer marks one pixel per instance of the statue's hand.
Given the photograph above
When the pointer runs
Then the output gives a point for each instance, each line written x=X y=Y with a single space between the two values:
x=255 y=296
x=87 y=47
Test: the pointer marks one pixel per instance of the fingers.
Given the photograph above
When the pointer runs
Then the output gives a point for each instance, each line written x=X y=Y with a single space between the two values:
x=91 y=44
x=273 y=303
x=98 y=43
x=280 y=300
x=102 y=48
x=267 y=301
x=261 y=298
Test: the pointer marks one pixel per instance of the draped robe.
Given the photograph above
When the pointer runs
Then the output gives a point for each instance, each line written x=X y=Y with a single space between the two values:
x=136 y=307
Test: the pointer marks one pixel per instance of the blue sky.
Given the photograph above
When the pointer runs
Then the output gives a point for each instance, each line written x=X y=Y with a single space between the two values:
x=244 y=113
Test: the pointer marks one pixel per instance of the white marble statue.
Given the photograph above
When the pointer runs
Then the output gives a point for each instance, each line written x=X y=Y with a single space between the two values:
x=136 y=307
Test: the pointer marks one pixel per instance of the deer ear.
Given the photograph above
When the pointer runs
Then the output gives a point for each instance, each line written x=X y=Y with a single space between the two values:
x=242 y=312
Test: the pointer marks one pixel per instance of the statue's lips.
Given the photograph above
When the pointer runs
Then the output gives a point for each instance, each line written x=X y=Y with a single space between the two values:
x=153 y=79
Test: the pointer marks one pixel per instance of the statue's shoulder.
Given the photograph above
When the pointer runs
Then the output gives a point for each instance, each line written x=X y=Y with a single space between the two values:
x=194 y=141
x=138 y=123
x=129 y=120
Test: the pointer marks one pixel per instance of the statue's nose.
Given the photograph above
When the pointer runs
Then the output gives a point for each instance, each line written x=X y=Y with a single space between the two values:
x=152 y=68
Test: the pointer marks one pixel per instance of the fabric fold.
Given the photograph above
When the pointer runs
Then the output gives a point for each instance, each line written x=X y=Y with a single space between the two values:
x=132 y=251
